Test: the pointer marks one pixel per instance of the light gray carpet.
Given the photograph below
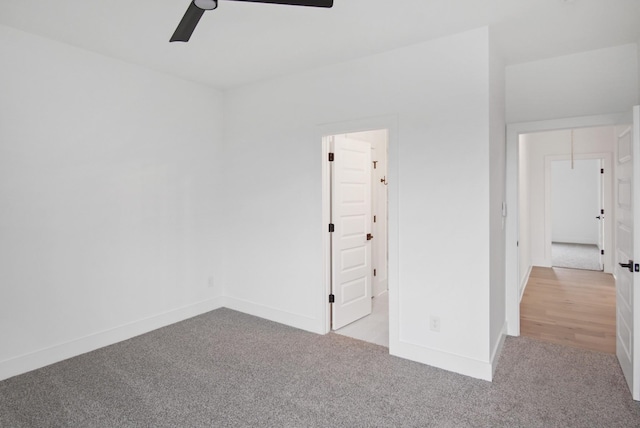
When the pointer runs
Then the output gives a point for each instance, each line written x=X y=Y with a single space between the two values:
x=575 y=256
x=227 y=369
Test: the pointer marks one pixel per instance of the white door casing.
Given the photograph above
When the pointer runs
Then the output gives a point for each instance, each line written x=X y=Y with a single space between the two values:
x=379 y=193
x=627 y=241
x=513 y=276
x=351 y=219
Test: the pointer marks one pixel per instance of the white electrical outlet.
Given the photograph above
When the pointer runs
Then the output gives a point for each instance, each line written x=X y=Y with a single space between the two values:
x=434 y=324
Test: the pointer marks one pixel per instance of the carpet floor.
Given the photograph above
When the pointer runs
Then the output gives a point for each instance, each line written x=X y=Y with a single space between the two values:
x=575 y=256
x=227 y=369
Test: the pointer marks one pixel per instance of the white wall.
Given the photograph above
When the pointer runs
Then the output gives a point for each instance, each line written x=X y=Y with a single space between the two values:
x=107 y=189
x=588 y=83
x=497 y=197
x=575 y=201
x=541 y=146
x=440 y=210
x=127 y=197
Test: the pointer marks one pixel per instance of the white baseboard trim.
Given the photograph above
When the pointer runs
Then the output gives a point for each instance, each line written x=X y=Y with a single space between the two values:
x=523 y=283
x=302 y=322
x=497 y=349
x=443 y=360
x=44 y=357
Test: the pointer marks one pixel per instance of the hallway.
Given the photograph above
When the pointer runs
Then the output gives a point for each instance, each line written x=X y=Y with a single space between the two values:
x=570 y=307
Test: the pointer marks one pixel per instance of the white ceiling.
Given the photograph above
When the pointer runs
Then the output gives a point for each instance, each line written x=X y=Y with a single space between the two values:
x=242 y=42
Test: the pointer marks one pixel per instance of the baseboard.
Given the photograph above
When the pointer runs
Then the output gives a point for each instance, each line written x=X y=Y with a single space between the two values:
x=497 y=349
x=302 y=322
x=443 y=360
x=44 y=357
x=523 y=282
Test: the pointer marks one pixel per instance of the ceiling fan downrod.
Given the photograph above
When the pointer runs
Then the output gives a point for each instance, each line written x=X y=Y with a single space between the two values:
x=197 y=8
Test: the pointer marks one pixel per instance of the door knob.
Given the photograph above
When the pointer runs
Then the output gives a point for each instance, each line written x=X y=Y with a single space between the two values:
x=627 y=265
x=369 y=237
x=598 y=217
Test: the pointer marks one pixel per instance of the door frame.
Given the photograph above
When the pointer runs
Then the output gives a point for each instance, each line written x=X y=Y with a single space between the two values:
x=390 y=123
x=607 y=191
x=512 y=254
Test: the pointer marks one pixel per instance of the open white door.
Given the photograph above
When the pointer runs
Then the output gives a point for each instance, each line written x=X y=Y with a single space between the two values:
x=351 y=237
x=628 y=240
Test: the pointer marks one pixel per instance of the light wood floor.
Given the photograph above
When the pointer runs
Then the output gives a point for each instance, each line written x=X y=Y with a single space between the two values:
x=570 y=307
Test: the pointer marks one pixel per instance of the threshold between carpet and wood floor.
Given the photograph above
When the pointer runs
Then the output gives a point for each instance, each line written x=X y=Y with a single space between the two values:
x=575 y=256
x=228 y=369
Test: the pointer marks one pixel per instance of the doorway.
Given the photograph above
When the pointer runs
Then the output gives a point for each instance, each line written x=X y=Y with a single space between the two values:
x=577 y=213
x=626 y=132
x=519 y=257
x=358 y=234
x=566 y=207
x=565 y=195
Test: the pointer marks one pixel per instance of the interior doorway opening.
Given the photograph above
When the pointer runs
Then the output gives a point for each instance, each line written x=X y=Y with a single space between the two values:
x=577 y=214
x=566 y=237
x=626 y=142
x=357 y=209
x=565 y=195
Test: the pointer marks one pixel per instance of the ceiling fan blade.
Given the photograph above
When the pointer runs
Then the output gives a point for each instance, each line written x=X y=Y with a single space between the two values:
x=314 y=3
x=187 y=24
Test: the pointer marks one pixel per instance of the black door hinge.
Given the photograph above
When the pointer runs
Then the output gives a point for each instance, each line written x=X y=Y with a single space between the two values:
x=601 y=211
x=601 y=170
x=374 y=219
x=332 y=298
x=332 y=227
x=602 y=252
x=330 y=157
x=375 y=164
x=374 y=272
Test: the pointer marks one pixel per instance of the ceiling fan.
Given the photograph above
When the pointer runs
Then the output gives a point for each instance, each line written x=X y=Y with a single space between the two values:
x=197 y=8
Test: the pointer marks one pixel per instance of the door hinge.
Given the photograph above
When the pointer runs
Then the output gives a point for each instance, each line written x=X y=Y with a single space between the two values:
x=374 y=272
x=601 y=211
x=332 y=298
x=330 y=157
x=602 y=252
x=601 y=170
x=374 y=219
x=332 y=227
x=375 y=164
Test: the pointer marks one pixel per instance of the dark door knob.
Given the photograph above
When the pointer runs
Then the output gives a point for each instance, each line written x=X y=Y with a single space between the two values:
x=598 y=217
